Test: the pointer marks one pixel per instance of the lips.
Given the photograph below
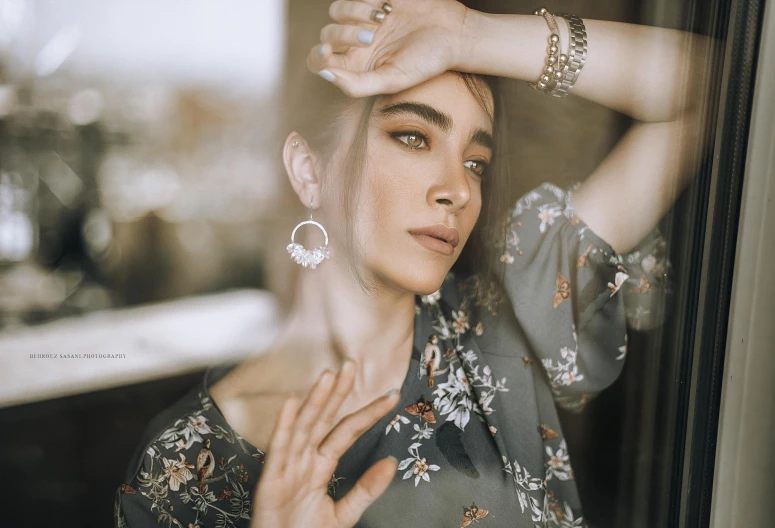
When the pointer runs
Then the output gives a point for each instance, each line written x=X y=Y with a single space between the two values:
x=440 y=232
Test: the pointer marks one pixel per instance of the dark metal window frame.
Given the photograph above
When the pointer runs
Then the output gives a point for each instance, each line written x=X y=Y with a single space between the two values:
x=700 y=325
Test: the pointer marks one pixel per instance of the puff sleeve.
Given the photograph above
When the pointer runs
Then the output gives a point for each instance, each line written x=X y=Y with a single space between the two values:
x=574 y=296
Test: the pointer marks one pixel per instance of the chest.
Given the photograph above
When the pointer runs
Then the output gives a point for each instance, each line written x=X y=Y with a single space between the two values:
x=252 y=408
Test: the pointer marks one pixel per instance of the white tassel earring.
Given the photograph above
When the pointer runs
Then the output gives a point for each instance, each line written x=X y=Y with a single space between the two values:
x=304 y=256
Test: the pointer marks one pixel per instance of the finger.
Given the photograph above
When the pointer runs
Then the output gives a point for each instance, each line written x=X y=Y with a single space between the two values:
x=364 y=84
x=344 y=384
x=342 y=36
x=352 y=426
x=349 y=12
x=368 y=488
x=308 y=414
x=277 y=449
x=321 y=56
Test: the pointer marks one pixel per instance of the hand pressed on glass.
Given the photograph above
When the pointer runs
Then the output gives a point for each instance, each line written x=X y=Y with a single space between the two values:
x=304 y=451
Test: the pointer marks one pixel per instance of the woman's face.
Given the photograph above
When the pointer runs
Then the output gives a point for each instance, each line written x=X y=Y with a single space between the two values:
x=427 y=156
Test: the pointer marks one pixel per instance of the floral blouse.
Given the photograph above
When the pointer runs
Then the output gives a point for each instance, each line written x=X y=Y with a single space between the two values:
x=476 y=431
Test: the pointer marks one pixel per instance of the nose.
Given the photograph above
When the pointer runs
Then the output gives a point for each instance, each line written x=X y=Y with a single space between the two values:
x=451 y=189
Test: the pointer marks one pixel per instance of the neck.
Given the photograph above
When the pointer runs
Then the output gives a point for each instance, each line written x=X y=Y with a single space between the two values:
x=334 y=318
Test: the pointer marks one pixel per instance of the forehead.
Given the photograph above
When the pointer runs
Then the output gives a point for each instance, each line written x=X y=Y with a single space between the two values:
x=450 y=94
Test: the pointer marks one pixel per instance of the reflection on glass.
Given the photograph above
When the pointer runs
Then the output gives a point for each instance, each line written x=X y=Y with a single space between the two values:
x=149 y=184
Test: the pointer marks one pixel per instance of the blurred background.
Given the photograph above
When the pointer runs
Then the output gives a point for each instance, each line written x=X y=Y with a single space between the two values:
x=144 y=213
x=135 y=150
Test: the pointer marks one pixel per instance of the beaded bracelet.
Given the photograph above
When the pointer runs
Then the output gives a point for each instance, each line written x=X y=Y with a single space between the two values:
x=556 y=66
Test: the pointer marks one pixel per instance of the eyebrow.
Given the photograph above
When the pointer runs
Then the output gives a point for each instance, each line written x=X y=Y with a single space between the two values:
x=436 y=118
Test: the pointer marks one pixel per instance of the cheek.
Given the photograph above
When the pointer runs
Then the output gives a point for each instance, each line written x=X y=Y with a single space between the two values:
x=393 y=203
x=470 y=216
x=478 y=206
x=394 y=195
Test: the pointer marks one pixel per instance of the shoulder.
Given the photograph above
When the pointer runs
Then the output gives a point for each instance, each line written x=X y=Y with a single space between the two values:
x=189 y=449
x=179 y=430
x=189 y=405
x=190 y=424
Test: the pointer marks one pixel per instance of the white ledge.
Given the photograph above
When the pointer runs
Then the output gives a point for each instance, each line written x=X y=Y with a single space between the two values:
x=145 y=342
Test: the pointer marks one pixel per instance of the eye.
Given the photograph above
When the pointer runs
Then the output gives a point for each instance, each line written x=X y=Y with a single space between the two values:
x=415 y=139
x=481 y=166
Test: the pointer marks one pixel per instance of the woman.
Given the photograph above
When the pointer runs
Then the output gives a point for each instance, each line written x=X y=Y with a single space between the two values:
x=478 y=346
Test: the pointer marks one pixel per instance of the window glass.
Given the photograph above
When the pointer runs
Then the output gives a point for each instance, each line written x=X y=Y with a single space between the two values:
x=158 y=162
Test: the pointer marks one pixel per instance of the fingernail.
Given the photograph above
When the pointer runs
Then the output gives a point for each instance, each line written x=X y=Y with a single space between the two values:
x=393 y=458
x=391 y=392
x=321 y=51
x=327 y=75
x=365 y=36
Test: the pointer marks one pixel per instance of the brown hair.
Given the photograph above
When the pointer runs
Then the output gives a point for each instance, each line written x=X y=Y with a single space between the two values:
x=319 y=117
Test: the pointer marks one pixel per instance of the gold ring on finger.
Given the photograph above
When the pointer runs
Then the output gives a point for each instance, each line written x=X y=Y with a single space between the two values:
x=377 y=16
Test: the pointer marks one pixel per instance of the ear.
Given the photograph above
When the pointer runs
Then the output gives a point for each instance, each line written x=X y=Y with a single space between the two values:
x=301 y=167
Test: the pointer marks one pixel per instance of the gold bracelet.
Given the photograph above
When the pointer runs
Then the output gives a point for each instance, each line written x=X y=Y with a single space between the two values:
x=577 y=54
x=556 y=62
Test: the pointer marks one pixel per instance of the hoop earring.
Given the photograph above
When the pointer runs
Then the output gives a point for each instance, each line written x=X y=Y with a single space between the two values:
x=304 y=256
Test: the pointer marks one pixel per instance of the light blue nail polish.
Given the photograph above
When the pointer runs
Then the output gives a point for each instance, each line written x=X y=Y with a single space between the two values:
x=327 y=75
x=365 y=36
x=391 y=392
x=321 y=51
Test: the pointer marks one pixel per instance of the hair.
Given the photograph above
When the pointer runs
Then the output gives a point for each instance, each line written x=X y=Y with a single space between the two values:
x=320 y=117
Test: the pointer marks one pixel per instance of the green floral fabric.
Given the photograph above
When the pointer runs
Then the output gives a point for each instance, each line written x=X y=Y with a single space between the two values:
x=476 y=431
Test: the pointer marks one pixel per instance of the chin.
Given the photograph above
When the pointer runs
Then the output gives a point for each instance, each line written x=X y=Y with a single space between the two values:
x=412 y=269
x=427 y=290
x=424 y=281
